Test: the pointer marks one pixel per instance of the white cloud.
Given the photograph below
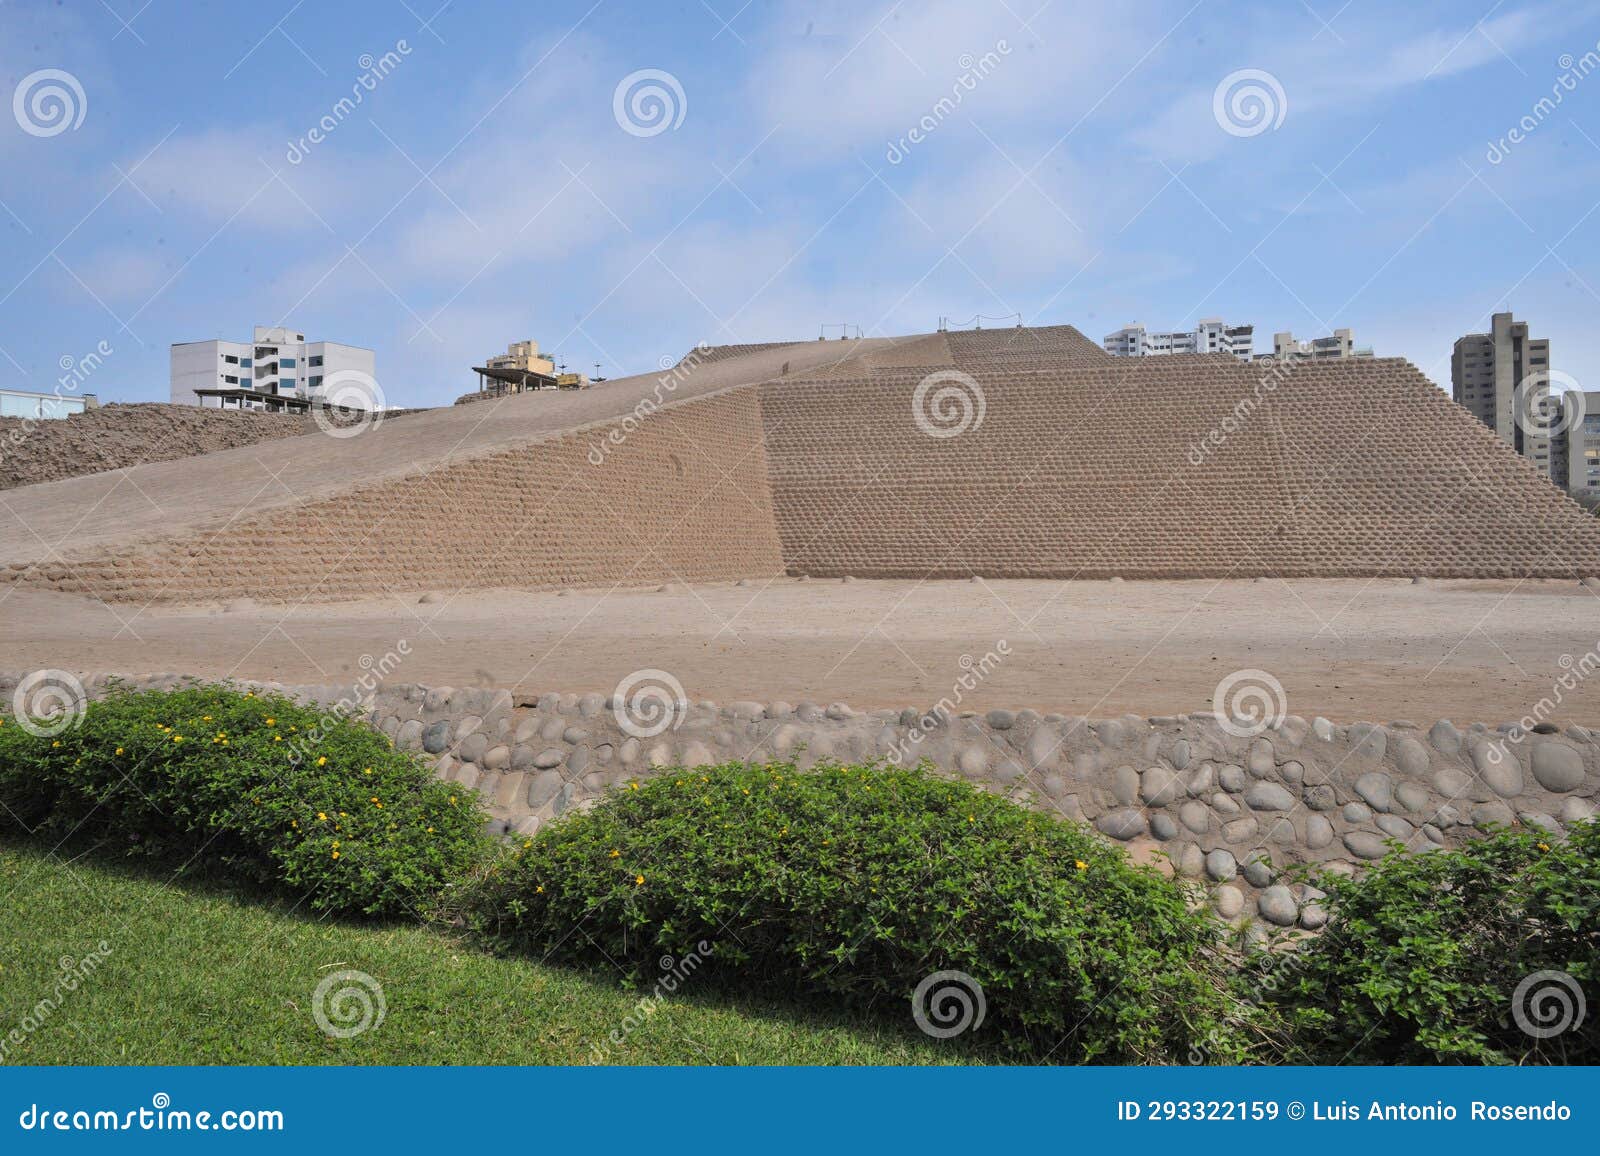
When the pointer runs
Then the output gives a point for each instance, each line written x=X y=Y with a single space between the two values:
x=1362 y=62
x=874 y=72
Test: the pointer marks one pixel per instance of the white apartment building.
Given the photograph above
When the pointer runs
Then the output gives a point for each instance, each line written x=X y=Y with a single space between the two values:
x=278 y=371
x=1341 y=344
x=1210 y=335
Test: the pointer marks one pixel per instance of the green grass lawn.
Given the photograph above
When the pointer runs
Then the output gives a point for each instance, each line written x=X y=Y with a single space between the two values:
x=198 y=974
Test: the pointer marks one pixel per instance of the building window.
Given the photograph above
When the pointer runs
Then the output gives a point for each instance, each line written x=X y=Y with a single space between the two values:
x=315 y=361
x=286 y=361
x=230 y=359
x=316 y=381
x=245 y=363
x=231 y=380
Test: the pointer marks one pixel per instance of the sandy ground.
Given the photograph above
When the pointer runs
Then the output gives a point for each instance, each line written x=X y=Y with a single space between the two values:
x=1351 y=649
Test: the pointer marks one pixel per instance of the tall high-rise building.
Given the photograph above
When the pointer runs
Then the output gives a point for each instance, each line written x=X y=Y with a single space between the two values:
x=1503 y=378
x=1211 y=335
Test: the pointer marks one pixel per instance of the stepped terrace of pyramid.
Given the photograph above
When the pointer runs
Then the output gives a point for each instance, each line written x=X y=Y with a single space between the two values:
x=1011 y=453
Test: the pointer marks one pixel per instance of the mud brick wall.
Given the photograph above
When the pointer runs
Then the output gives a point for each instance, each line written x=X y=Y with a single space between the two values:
x=683 y=497
x=1339 y=469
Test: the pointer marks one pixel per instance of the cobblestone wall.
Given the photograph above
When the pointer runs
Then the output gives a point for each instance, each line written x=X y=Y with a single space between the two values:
x=1228 y=809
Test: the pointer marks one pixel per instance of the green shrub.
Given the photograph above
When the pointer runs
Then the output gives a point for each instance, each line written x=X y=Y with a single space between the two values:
x=259 y=786
x=1424 y=955
x=858 y=883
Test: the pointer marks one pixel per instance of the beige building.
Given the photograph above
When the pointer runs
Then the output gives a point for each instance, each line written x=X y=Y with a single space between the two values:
x=1502 y=377
x=524 y=355
x=1341 y=344
x=519 y=369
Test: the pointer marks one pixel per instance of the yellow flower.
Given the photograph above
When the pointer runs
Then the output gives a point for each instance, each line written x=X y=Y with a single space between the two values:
x=205 y=718
x=539 y=890
x=277 y=738
x=430 y=830
x=1080 y=864
x=368 y=771
x=452 y=799
x=322 y=760
x=637 y=880
x=1544 y=846
x=336 y=854
x=57 y=743
x=119 y=750
x=177 y=738
x=322 y=816
x=615 y=854
x=272 y=722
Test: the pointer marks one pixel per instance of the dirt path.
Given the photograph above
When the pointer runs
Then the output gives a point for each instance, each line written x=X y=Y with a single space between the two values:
x=1379 y=650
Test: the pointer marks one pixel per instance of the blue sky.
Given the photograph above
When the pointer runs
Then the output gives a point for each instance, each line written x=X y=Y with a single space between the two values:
x=485 y=189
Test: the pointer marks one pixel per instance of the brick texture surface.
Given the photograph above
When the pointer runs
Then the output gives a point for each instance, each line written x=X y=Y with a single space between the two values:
x=1059 y=461
x=683 y=498
x=1104 y=468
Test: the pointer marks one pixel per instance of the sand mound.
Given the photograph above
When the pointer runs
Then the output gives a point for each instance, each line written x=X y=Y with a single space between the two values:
x=116 y=437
